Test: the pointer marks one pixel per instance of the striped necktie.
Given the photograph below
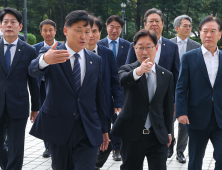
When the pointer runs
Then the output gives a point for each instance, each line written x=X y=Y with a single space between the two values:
x=77 y=73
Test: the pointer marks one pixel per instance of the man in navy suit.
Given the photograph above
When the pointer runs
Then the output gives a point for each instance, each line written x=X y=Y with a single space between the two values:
x=114 y=25
x=112 y=88
x=72 y=118
x=48 y=32
x=16 y=56
x=199 y=95
x=167 y=55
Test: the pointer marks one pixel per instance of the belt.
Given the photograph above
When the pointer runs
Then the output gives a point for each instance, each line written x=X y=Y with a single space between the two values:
x=147 y=131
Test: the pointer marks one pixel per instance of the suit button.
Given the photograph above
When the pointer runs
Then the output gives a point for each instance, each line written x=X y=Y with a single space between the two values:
x=74 y=114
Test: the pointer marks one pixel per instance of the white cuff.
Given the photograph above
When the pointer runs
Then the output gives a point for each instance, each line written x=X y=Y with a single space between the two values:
x=135 y=76
x=42 y=63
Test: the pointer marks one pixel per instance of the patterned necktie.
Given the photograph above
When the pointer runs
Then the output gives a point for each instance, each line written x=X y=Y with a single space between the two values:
x=114 y=47
x=77 y=73
x=182 y=49
x=8 y=57
x=150 y=86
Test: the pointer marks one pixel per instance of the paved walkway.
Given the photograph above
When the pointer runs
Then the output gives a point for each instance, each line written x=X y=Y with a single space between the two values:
x=34 y=148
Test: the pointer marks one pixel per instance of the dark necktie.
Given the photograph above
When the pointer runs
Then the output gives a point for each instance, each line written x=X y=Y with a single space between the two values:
x=8 y=57
x=114 y=47
x=94 y=51
x=77 y=73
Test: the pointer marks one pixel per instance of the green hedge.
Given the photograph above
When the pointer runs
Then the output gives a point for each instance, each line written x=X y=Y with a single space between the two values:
x=31 y=38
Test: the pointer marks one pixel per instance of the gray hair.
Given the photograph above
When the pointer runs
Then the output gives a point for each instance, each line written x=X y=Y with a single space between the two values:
x=177 y=20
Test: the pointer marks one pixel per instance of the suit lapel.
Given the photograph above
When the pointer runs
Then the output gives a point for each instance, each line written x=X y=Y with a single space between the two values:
x=164 y=51
x=120 y=49
x=159 y=79
x=106 y=42
x=189 y=45
x=2 y=56
x=89 y=71
x=18 y=53
x=219 y=71
x=201 y=64
x=67 y=69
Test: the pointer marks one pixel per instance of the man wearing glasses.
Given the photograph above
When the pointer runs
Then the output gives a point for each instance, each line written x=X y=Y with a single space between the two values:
x=145 y=122
x=182 y=25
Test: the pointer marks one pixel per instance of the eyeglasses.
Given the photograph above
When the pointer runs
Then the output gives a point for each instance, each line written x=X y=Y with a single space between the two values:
x=187 y=26
x=148 y=49
x=152 y=21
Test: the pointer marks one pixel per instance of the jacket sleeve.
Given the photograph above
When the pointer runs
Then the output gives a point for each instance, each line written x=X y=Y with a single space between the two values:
x=100 y=100
x=34 y=89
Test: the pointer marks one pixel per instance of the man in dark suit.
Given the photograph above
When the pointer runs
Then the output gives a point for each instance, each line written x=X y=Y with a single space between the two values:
x=167 y=55
x=120 y=47
x=199 y=95
x=112 y=88
x=145 y=122
x=48 y=32
x=72 y=118
x=16 y=56
x=182 y=25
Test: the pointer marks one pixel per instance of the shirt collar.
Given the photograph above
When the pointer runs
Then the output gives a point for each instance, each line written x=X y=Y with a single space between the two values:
x=96 y=49
x=179 y=39
x=160 y=40
x=109 y=40
x=14 y=43
x=204 y=51
x=154 y=68
x=46 y=45
x=81 y=53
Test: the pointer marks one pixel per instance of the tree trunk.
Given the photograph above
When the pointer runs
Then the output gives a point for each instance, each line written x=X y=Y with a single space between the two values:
x=6 y=3
x=89 y=6
x=188 y=7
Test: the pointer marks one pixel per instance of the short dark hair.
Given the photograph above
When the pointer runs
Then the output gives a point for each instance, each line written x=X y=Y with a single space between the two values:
x=210 y=18
x=153 y=11
x=99 y=23
x=116 y=18
x=144 y=33
x=76 y=16
x=12 y=11
x=47 y=22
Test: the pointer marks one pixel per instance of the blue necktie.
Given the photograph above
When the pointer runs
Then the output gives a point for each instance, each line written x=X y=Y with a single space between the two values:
x=114 y=47
x=77 y=73
x=150 y=85
x=8 y=57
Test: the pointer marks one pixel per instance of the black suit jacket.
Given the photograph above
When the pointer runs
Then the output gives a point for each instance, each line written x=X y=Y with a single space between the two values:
x=131 y=120
x=13 y=86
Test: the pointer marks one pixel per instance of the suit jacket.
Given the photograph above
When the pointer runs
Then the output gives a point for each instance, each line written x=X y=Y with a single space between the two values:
x=13 y=86
x=38 y=46
x=56 y=117
x=169 y=57
x=191 y=44
x=122 y=50
x=131 y=120
x=112 y=89
x=194 y=92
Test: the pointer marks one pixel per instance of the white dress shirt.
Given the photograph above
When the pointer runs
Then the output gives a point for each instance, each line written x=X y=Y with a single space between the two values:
x=212 y=63
x=12 y=49
x=111 y=45
x=46 y=45
x=157 y=58
x=96 y=49
x=179 y=43
x=82 y=61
